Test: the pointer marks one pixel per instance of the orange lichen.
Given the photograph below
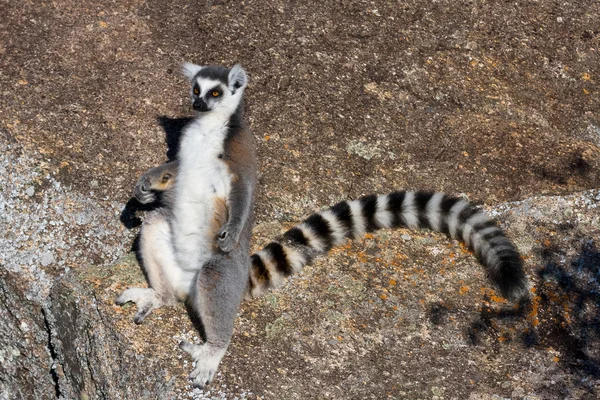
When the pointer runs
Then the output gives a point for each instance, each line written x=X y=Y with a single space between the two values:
x=497 y=299
x=463 y=290
x=361 y=256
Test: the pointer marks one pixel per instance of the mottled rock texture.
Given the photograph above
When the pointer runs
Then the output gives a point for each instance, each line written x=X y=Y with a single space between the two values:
x=497 y=101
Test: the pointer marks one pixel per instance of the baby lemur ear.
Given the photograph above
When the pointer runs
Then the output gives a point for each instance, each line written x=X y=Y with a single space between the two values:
x=190 y=70
x=237 y=78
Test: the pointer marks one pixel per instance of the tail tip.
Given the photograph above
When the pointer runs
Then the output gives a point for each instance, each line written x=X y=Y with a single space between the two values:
x=517 y=292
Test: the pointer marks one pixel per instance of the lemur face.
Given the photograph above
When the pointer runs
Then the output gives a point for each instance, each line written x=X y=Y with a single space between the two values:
x=215 y=88
x=208 y=94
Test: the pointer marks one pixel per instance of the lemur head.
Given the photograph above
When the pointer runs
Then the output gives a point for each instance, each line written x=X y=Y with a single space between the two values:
x=215 y=88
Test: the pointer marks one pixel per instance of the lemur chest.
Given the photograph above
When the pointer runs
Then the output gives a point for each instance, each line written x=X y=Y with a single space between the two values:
x=203 y=173
x=202 y=188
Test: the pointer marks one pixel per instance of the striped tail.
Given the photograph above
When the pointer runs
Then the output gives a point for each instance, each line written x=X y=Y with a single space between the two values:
x=453 y=216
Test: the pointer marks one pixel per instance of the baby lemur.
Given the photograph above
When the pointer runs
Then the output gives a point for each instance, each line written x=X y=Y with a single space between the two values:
x=217 y=289
x=195 y=248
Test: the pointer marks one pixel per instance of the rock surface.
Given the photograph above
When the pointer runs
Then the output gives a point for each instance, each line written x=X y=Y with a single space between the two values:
x=495 y=101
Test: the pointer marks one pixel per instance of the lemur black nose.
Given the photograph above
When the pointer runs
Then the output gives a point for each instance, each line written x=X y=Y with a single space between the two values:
x=146 y=186
x=200 y=105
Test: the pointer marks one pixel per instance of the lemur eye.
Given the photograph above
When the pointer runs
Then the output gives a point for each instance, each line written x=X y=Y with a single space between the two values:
x=196 y=91
x=215 y=94
x=166 y=178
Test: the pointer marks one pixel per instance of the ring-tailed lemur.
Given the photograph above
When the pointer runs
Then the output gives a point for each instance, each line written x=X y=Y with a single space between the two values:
x=155 y=182
x=439 y=212
x=173 y=237
x=195 y=248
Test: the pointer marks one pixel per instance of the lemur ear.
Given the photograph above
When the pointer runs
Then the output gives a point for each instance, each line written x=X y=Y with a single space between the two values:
x=237 y=78
x=190 y=70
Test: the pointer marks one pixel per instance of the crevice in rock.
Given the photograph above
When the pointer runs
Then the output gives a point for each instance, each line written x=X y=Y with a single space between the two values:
x=50 y=346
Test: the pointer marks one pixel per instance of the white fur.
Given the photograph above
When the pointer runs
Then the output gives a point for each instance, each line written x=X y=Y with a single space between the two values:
x=358 y=221
x=313 y=239
x=296 y=259
x=475 y=219
x=190 y=70
x=409 y=213
x=382 y=216
x=206 y=359
x=453 y=216
x=479 y=243
x=157 y=246
x=238 y=76
x=271 y=266
x=202 y=178
x=433 y=211
x=338 y=231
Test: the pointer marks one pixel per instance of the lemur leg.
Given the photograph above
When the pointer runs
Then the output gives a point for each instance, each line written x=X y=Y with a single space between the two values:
x=158 y=261
x=220 y=287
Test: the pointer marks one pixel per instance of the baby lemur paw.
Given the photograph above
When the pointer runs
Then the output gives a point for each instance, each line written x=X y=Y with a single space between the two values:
x=143 y=192
x=145 y=299
x=206 y=359
x=227 y=239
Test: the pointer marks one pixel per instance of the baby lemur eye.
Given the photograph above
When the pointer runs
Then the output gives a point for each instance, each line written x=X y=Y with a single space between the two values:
x=196 y=91
x=215 y=94
x=166 y=178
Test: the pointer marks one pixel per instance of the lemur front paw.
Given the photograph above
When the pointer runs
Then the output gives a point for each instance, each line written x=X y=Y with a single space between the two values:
x=207 y=359
x=145 y=299
x=143 y=192
x=227 y=239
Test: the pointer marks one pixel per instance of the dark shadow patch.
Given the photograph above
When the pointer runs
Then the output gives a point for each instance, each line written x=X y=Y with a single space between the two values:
x=486 y=324
x=475 y=331
x=195 y=319
x=549 y=175
x=569 y=296
x=579 y=164
x=563 y=314
x=173 y=128
x=438 y=313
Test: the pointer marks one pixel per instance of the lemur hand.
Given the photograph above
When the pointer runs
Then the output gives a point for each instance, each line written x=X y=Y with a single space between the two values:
x=227 y=239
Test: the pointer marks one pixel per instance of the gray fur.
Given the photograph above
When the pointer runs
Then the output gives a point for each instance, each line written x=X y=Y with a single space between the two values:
x=153 y=182
x=214 y=285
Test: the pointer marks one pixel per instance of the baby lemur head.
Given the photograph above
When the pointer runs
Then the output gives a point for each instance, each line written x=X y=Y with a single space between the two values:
x=215 y=88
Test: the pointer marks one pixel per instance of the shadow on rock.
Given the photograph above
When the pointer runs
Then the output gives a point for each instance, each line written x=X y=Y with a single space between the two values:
x=563 y=313
x=567 y=304
x=173 y=128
